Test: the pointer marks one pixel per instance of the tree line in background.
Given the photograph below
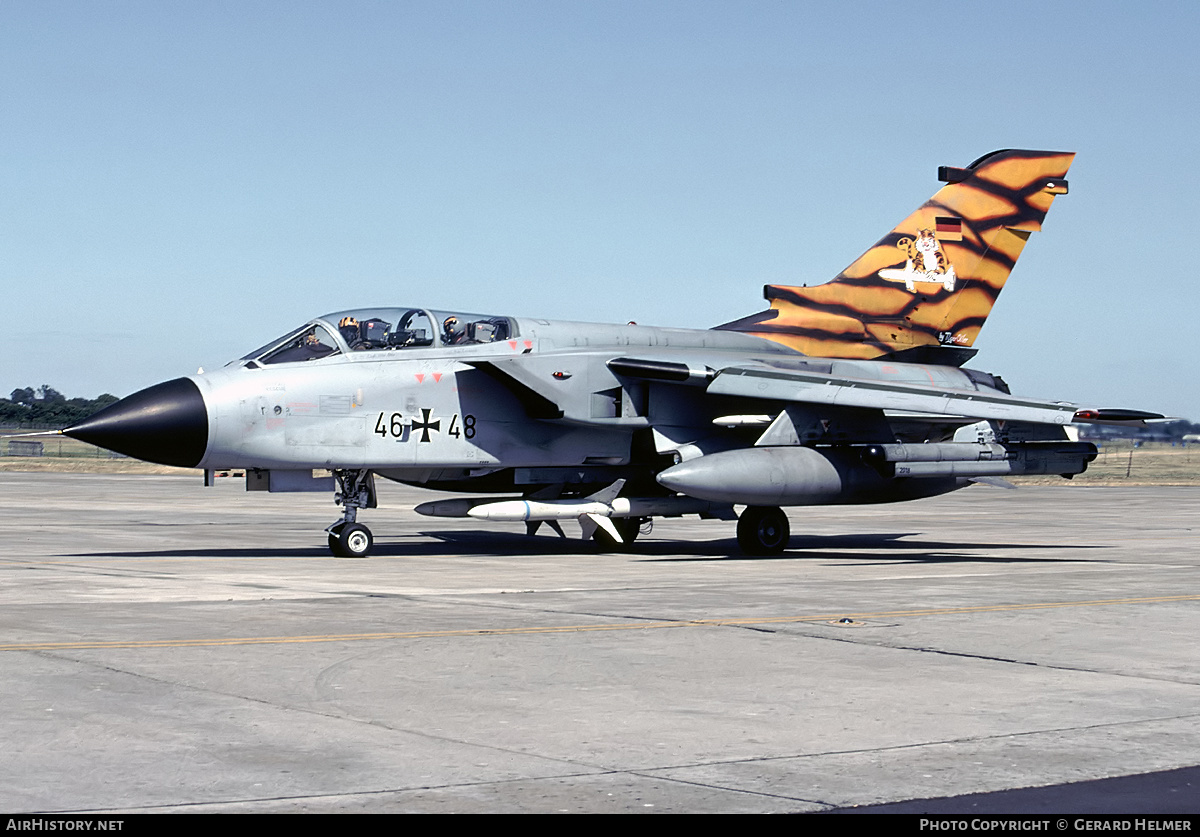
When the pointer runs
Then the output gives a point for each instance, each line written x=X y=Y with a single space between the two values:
x=45 y=405
x=1167 y=431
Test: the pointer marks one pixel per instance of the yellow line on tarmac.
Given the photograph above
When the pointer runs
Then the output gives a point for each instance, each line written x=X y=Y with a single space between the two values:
x=559 y=629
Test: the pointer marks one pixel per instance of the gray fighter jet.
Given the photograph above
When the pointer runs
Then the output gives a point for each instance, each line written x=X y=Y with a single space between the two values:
x=847 y=392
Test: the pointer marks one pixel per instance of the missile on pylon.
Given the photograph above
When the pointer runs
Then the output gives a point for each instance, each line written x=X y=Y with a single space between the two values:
x=522 y=510
x=526 y=510
x=592 y=508
x=457 y=507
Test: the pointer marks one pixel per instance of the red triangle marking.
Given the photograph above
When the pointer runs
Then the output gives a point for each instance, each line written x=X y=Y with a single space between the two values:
x=420 y=377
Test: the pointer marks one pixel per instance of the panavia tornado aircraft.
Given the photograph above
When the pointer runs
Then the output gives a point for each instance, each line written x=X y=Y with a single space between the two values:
x=849 y=392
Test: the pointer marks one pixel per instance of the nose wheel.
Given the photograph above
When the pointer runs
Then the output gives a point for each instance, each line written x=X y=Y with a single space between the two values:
x=350 y=540
x=347 y=537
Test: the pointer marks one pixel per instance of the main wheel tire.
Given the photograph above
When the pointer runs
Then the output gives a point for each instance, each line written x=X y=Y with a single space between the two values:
x=628 y=527
x=763 y=530
x=352 y=540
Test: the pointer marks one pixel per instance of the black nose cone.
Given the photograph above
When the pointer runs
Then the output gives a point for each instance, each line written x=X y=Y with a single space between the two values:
x=166 y=423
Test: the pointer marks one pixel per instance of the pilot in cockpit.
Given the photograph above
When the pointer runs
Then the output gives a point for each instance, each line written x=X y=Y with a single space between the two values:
x=348 y=327
x=453 y=332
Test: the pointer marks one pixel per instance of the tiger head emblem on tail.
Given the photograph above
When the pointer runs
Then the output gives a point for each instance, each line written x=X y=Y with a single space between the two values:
x=927 y=262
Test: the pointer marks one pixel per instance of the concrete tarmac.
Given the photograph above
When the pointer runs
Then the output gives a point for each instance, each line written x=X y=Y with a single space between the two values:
x=170 y=647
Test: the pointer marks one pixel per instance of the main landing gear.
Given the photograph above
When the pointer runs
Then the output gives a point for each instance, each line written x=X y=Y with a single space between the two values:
x=763 y=530
x=356 y=490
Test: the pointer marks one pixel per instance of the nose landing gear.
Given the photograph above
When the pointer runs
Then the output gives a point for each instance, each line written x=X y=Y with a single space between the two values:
x=347 y=537
x=350 y=540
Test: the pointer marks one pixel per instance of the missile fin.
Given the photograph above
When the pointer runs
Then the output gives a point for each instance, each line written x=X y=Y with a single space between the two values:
x=607 y=495
x=599 y=521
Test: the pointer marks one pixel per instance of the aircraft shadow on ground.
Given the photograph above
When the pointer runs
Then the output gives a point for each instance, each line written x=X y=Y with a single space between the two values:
x=802 y=547
x=887 y=549
x=855 y=549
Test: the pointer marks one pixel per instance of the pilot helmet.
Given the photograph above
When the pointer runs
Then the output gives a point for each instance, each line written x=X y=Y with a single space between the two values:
x=452 y=329
x=348 y=326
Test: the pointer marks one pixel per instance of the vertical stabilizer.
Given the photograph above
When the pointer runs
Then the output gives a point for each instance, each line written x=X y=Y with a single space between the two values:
x=924 y=290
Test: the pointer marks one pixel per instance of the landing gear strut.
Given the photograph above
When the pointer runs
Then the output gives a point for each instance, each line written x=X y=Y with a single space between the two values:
x=356 y=490
x=763 y=530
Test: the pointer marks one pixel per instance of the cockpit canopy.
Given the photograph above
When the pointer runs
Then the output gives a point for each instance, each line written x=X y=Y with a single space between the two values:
x=382 y=329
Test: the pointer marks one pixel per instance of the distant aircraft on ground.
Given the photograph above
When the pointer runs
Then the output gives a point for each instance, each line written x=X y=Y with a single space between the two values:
x=847 y=392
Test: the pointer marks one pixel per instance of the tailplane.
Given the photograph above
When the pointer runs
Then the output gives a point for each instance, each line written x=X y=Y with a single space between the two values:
x=924 y=291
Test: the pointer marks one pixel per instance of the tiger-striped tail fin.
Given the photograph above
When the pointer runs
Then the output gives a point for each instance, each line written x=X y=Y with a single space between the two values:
x=924 y=290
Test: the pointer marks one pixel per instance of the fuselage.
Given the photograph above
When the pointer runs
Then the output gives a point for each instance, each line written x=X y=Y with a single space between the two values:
x=441 y=407
x=504 y=404
x=440 y=412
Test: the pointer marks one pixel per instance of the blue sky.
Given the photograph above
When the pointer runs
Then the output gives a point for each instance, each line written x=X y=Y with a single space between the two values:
x=184 y=181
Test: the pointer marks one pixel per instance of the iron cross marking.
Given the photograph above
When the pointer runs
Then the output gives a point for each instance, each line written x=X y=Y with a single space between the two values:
x=425 y=425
